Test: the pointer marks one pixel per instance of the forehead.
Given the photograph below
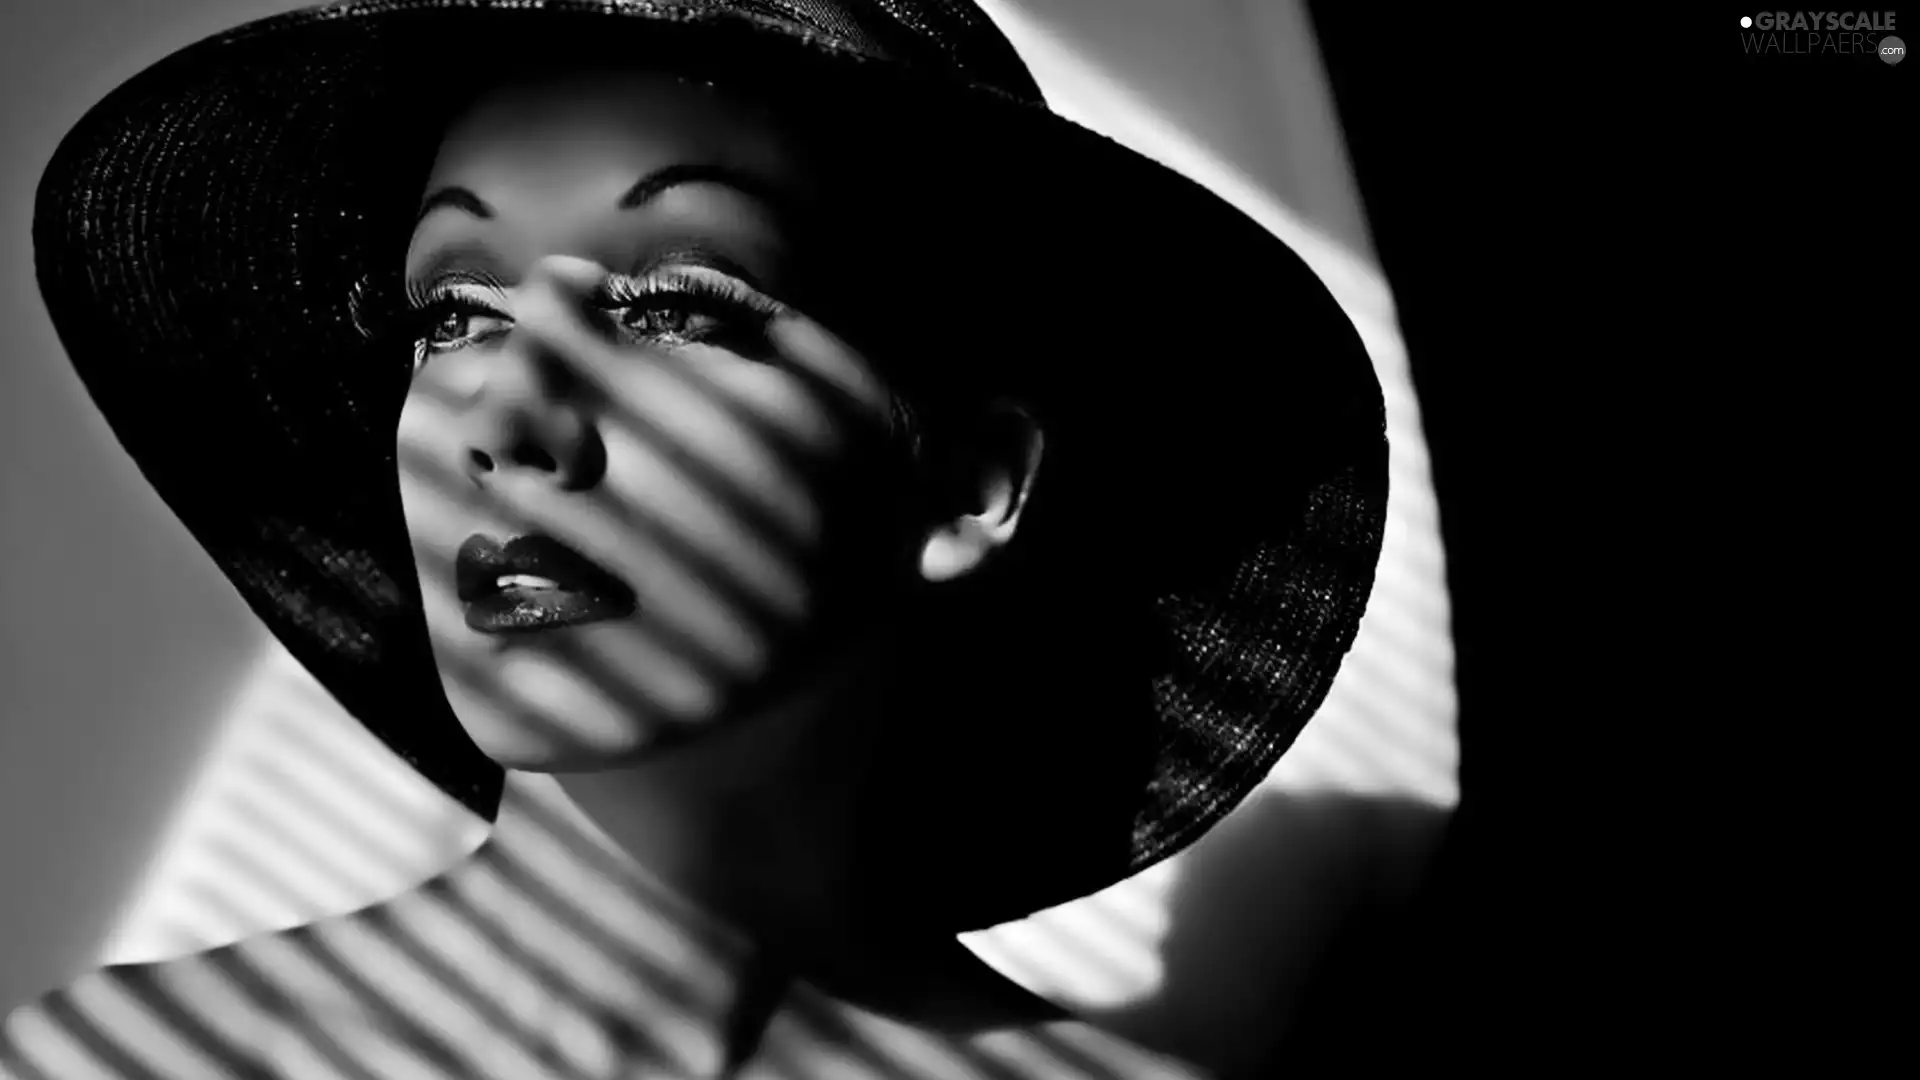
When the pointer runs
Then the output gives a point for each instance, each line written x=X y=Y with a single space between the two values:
x=557 y=131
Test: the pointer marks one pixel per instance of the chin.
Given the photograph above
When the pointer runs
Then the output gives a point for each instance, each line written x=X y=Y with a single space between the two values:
x=525 y=751
x=516 y=738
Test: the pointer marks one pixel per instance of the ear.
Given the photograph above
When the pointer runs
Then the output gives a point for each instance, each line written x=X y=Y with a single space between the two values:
x=995 y=481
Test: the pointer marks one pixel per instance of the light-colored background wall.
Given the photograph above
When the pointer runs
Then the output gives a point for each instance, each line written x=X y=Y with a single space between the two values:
x=155 y=739
x=119 y=642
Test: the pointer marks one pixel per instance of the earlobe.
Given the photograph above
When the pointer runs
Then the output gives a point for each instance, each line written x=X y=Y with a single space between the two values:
x=1004 y=470
x=955 y=549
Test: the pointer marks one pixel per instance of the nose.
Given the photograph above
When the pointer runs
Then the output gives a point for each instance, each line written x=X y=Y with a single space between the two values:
x=532 y=414
x=522 y=432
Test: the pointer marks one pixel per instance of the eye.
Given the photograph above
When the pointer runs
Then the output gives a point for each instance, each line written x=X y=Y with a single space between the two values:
x=663 y=317
x=458 y=324
x=677 y=307
x=450 y=318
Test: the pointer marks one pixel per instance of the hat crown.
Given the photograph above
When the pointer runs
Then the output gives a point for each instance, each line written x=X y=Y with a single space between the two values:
x=950 y=37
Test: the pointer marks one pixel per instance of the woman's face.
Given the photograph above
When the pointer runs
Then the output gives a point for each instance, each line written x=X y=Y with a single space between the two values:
x=621 y=463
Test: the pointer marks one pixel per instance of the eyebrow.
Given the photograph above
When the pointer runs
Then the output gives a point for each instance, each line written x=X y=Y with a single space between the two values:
x=457 y=197
x=644 y=190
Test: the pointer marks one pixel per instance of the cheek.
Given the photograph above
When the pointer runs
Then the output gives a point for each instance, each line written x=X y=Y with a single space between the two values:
x=786 y=405
x=441 y=504
x=423 y=498
x=759 y=494
x=760 y=455
x=740 y=508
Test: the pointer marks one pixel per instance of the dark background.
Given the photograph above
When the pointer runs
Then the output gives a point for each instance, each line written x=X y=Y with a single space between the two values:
x=1657 y=299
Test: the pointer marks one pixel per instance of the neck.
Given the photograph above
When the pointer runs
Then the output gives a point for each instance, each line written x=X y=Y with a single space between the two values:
x=694 y=875
x=716 y=872
x=754 y=821
x=646 y=964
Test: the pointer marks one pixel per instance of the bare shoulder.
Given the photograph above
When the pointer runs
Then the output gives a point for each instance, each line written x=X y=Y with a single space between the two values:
x=121 y=1021
x=218 y=1014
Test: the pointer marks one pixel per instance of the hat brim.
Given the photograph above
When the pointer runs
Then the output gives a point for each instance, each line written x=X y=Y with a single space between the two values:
x=200 y=233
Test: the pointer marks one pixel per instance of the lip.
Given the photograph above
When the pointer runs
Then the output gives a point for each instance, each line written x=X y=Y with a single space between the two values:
x=581 y=590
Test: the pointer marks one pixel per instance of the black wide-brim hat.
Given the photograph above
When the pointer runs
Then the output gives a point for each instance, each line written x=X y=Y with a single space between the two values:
x=207 y=239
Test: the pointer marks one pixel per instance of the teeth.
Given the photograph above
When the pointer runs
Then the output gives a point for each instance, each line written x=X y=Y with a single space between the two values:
x=524 y=581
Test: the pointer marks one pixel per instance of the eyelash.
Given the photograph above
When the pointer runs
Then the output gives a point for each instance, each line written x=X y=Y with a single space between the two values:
x=740 y=313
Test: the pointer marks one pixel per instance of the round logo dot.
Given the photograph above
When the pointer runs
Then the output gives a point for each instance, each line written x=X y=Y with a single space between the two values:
x=1745 y=21
x=1892 y=50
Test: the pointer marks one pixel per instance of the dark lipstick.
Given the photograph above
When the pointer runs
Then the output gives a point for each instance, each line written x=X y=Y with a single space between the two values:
x=534 y=583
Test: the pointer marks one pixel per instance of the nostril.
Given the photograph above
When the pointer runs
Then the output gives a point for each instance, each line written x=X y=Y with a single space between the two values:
x=533 y=457
x=480 y=460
